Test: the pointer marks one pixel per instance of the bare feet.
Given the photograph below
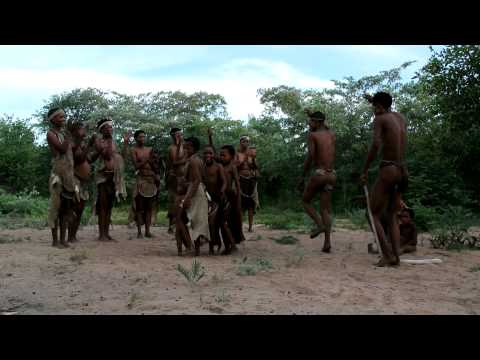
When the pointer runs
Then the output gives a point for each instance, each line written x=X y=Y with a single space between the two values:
x=385 y=262
x=226 y=252
x=111 y=239
x=197 y=247
x=250 y=230
x=316 y=231
x=139 y=236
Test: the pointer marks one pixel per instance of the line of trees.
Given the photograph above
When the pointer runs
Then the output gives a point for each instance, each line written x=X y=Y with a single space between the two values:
x=441 y=105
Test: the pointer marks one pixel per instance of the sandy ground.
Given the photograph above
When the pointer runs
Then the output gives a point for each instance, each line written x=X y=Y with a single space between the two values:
x=140 y=277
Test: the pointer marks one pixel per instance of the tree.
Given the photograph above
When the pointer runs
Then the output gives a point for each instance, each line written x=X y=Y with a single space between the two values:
x=451 y=80
x=22 y=164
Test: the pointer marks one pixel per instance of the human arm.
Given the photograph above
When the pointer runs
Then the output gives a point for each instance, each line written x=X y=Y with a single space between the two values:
x=308 y=162
x=126 y=137
x=55 y=143
x=377 y=141
x=195 y=174
x=236 y=178
x=175 y=154
x=223 y=178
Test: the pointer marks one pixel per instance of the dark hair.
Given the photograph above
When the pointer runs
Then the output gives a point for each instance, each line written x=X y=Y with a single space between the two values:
x=174 y=130
x=317 y=115
x=138 y=132
x=382 y=98
x=409 y=211
x=101 y=121
x=195 y=142
x=52 y=110
x=74 y=125
x=229 y=148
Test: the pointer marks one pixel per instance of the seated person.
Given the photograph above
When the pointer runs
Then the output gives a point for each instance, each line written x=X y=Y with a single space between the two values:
x=408 y=231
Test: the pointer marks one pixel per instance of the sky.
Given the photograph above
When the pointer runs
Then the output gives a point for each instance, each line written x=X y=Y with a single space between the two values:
x=29 y=75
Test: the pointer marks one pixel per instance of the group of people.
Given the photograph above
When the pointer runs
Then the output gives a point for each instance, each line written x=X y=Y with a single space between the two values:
x=208 y=192
x=387 y=206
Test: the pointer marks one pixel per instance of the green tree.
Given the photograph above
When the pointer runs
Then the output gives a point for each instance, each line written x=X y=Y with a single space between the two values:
x=451 y=80
x=22 y=161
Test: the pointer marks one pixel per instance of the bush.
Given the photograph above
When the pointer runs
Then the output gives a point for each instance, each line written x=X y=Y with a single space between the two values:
x=358 y=218
x=282 y=219
x=452 y=230
x=454 y=239
x=426 y=218
x=23 y=204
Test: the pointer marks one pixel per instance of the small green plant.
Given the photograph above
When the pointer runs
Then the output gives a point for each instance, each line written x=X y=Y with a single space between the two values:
x=475 y=268
x=264 y=264
x=194 y=274
x=253 y=267
x=246 y=270
x=79 y=258
x=286 y=240
x=296 y=258
x=133 y=300
x=222 y=298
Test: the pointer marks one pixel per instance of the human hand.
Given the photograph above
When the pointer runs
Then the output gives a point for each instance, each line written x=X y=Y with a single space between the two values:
x=364 y=178
x=186 y=203
x=127 y=136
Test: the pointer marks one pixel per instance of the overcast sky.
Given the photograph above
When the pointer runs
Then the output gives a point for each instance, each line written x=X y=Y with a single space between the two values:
x=29 y=75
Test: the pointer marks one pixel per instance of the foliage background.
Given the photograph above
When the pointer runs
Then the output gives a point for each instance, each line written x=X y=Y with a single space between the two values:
x=441 y=105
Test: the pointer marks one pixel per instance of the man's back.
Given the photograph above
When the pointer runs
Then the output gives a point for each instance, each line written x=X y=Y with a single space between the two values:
x=323 y=155
x=394 y=136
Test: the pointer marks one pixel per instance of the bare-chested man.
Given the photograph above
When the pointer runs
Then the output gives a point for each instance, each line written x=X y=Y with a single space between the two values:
x=192 y=211
x=61 y=183
x=216 y=184
x=146 y=187
x=245 y=160
x=390 y=132
x=321 y=154
x=175 y=163
x=109 y=176
x=232 y=194
x=82 y=170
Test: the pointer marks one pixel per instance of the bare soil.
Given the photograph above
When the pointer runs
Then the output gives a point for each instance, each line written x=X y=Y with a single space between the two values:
x=135 y=276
